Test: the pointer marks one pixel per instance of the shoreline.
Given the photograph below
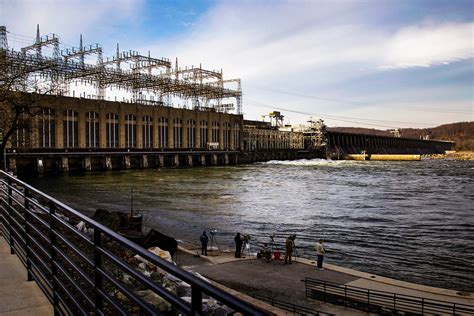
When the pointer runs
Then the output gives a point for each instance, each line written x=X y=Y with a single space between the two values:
x=452 y=155
x=254 y=280
x=226 y=256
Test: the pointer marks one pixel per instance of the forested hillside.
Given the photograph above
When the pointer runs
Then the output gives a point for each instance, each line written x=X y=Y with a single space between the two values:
x=461 y=133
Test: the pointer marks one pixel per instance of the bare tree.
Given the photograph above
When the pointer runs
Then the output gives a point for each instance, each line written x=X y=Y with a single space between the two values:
x=21 y=95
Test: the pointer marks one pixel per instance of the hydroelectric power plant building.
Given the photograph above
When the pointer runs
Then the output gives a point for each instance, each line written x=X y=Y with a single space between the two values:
x=137 y=111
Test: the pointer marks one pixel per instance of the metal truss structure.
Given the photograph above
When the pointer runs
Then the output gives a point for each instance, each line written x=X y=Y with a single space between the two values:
x=138 y=74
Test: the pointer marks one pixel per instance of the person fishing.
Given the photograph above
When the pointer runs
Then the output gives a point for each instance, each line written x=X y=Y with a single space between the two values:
x=289 y=245
x=320 y=254
x=238 y=245
x=204 y=241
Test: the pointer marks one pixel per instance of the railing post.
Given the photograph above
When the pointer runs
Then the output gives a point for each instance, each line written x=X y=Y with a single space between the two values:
x=10 y=213
x=324 y=291
x=368 y=300
x=454 y=309
x=27 y=235
x=306 y=287
x=345 y=295
x=52 y=241
x=97 y=265
x=394 y=302
x=196 y=300
x=422 y=305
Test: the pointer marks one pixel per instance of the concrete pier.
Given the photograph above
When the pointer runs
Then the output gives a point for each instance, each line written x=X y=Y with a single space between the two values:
x=40 y=165
x=144 y=161
x=108 y=163
x=64 y=164
x=176 y=160
x=87 y=163
x=190 y=160
x=253 y=276
x=126 y=162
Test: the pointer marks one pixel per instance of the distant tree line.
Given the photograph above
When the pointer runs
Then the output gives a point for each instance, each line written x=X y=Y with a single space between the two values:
x=461 y=133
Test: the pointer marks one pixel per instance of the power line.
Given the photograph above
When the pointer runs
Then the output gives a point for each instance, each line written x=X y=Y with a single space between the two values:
x=346 y=119
x=410 y=108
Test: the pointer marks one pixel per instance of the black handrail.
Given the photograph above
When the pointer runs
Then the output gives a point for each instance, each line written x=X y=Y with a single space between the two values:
x=380 y=301
x=295 y=309
x=77 y=273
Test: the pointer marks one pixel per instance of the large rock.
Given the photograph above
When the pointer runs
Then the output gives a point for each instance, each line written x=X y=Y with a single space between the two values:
x=110 y=219
x=183 y=289
x=157 y=251
x=154 y=299
x=163 y=254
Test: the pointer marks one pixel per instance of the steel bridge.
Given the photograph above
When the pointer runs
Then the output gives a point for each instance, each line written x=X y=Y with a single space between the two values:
x=341 y=144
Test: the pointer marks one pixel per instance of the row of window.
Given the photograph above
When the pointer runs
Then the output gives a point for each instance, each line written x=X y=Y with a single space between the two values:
x=47 y=131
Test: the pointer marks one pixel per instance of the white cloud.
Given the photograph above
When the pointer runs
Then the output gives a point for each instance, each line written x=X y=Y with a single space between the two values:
x=427 y=45
x=66 y=18
x=259 y=42
x=309 y=47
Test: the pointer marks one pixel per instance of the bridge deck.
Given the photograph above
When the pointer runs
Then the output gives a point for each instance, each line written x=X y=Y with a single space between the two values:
x=17 y=295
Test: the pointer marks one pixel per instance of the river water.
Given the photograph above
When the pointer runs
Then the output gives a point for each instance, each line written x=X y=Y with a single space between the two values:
x=412 y=221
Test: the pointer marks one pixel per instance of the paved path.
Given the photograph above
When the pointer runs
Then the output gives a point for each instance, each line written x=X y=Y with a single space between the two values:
x=17 y=295
x=272 y=280
x=275 y=280
x=284 y=282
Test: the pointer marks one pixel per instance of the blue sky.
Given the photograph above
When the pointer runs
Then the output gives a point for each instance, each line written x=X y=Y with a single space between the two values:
x=380 y=64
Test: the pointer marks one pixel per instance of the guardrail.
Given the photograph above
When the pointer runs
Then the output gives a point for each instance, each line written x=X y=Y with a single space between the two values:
x=295 y=309
x=379 y=301
x=83 y=273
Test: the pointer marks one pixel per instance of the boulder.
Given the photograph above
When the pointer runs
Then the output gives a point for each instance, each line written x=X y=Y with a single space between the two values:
x=183 y=289
x=110 y=219
x=154 y=299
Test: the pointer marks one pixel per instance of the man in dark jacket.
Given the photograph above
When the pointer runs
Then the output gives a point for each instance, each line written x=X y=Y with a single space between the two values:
x=289 y=245
x=204 y=240
x=238 y=245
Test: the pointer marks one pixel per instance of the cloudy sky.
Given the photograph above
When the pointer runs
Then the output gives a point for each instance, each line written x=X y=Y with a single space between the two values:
x=378 y=63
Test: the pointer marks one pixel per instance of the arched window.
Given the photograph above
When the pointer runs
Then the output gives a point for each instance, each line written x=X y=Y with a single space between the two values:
x=22 y=136
x=112 y=133
x=70 y=129
x=215 y=132
x=236 y=136
x=177 y=132
x=203 y=134
x=92 y=129
x=163 y=132
x=226 y=139
x=47 y=128
x=130 y=131
x=191 y=133
x=147 y=134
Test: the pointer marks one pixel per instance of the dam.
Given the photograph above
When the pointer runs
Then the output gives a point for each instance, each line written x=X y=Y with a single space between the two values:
x=77 y=134
x=137 y=111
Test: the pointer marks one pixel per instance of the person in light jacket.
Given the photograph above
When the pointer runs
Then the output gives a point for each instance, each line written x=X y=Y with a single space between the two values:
x=320 y=252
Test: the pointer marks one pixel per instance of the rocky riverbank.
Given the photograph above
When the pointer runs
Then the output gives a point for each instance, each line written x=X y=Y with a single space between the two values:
x=455 y=155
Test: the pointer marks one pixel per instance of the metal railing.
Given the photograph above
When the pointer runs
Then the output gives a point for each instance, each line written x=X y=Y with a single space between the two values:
x=295 y=309
x=381 y=302
x=83 y=273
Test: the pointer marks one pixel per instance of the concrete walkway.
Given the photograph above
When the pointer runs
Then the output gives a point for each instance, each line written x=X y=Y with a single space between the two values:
x=284 y=282
x=17 y=295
